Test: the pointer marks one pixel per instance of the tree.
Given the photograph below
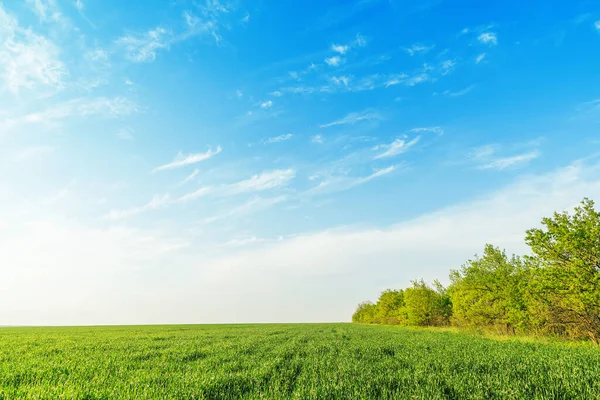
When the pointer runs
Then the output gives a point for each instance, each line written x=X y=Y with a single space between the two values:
x=365 y=313
x=488 y=291
x=424 y=306
x=389 y=307
x=567 y=270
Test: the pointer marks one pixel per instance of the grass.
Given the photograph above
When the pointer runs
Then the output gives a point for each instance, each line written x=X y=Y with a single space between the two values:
x=312 y=361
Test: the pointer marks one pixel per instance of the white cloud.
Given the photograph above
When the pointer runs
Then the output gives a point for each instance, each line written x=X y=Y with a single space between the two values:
x=79 y=5
x=156 y=203
x=434 y=129
x=338 y=48
x=76 y=108
x=28 y=60
x=333 y=184
x=360 y=41
x=511 y=161
x=280 y=138
x=46 y=10
x=486 y=157
x=341 y=80
x=264 y=181
x=32 y=153
x=97 y=54
x=252 y=206
x=334 y=61
x=190 y=177
x=143 y=48
x=479 y=58
x=416 y=79
x=49 y=262
x=488 y=38
x=458 y=93
x=597 y=25
x=398 y=146
x=276 y=93
x=246 y=18
x=203 y=191
x=353 y=118
x=266 y=104
x=318 y=139
x=448 y=66
x=182 y=161
x=418 y=48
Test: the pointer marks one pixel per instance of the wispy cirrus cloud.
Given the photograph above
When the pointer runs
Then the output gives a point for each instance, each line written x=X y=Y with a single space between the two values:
x=209 y=18
x=458 y=93
x=597 y=25
x=447 y=67
x=486 y=157
x=280 y=138
x=334 y=61
x=46 y=10
x=143 y=48
x=157 y=202
x=252 y=206
x=418 y=48
x=395 y=148
x=353 y=118
x=79 y=5
x=317 y=139
x=190 y=177
x=202 y=192
x=264 y=181
x=27 y=60
x=76 y=108
x=433 y=129
x=190 y=159
x=489 y=38
x=338 y=183
x=479 y=58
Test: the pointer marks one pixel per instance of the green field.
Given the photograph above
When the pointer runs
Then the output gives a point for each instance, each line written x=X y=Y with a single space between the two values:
x=313 y=361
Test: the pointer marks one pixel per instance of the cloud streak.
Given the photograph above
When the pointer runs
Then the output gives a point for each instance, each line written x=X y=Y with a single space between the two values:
x=143 y=48
x=395 y=148
x=157 y=202
x=487 y=159
x=353 y=118
x=183 y=160
x=280 y=138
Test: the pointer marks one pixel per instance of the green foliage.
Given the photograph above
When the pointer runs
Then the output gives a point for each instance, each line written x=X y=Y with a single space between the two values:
x=487 y=291
x=555 y=290
x=567 y=257
x=424 y=305
x=312 y=361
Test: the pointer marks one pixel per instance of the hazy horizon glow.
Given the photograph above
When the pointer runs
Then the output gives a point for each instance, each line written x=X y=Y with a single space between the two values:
x=248 y=161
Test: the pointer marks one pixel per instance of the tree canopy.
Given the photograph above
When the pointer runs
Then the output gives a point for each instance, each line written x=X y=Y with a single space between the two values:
x=553 y=290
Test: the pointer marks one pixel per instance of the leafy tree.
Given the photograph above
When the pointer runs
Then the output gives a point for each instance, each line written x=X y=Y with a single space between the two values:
x=365 y=313
x=424 y=306
x=389 y=307
x=567 y=276
x=488 y=291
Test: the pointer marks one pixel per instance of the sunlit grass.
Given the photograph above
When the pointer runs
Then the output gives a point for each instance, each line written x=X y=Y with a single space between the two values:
x=320 y=361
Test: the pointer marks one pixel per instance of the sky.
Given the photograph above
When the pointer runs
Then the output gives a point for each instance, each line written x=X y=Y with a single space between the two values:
x=216 y=161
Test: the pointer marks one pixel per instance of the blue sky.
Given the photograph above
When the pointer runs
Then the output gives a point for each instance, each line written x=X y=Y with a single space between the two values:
x=258 y=161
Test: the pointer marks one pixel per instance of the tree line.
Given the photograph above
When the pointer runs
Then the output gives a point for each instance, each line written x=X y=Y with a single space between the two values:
x=554 y=290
